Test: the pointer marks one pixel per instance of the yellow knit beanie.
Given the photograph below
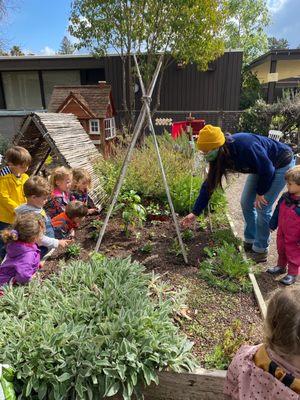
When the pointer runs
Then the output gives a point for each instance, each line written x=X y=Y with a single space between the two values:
x=210 y=137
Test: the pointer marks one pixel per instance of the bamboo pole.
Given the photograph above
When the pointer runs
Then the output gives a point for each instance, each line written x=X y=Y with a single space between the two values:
x=146 y=101
x=136 y=132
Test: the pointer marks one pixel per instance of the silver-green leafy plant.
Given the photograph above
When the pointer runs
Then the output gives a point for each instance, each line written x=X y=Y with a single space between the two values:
x=92 y=331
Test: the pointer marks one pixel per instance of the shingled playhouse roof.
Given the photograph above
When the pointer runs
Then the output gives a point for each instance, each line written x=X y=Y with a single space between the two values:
x=60 y=134
x=95 y=97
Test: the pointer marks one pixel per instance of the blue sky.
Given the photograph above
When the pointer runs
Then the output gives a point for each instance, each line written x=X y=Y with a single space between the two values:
x=38 y=26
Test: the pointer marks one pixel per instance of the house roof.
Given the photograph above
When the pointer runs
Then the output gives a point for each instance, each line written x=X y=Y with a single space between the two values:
x=95 y=98
x=62 y=135
x=283 y=54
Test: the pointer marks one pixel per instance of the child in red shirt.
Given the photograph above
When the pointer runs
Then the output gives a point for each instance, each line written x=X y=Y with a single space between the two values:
x=65 y=223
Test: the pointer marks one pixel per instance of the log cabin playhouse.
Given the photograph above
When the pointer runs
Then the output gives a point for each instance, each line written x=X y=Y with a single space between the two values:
x=93 y=106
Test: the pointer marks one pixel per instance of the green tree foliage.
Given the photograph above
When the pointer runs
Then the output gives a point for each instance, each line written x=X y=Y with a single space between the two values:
x=189 y=30
x=245 y=29
x=66 y=47
x=16 y=51
x=251 y=89
x=277 y=44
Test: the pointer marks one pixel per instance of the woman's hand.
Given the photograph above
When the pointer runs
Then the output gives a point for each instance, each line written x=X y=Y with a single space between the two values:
x=260 y=201
x=188 y=220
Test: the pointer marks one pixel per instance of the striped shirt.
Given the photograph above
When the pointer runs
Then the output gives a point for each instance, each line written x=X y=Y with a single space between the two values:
x=5 y=171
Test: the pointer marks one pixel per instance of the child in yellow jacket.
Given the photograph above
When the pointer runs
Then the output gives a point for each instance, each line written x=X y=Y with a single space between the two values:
x=12 y=179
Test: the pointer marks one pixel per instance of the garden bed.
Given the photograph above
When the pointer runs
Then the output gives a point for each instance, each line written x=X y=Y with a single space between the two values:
x=210 y=313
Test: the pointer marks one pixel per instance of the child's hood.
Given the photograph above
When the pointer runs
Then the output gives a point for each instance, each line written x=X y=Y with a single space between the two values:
x=15 y=249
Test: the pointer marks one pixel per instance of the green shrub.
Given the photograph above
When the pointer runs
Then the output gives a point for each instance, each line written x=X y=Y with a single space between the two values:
x=226 y=269
x=73 y=250
x=144 y=175
x=225 y=350
x=93 y=330
x=226 y=235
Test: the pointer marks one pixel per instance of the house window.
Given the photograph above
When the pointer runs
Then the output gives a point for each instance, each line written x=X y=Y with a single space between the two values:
x=22 y=90
x=65 y=78
x=109 y=128
x=94 y=126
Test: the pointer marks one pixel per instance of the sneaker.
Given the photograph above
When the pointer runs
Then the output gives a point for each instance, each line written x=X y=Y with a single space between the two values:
x=288 y=279
x=248 y=247
x=259 y=257
x=276 y=270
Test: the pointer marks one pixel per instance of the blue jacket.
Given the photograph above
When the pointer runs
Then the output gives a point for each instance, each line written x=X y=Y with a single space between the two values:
x=251 y=154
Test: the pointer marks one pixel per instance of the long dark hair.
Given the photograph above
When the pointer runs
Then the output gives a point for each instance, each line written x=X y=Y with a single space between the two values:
x=219 y=168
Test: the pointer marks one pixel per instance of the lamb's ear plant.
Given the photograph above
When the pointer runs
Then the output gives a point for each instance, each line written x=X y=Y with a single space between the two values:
x=93 y=331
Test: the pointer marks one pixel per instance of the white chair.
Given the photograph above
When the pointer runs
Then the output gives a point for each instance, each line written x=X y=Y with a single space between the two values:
x=275 y=135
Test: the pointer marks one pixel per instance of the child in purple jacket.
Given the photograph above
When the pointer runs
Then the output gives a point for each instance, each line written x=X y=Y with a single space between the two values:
x=22 y=254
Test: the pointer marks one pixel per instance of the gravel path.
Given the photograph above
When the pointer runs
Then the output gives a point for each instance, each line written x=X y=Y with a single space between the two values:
x=233 y=192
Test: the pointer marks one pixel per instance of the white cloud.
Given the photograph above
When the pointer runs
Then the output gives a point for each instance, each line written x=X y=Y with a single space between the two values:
x=47 y=51
x=276 y=5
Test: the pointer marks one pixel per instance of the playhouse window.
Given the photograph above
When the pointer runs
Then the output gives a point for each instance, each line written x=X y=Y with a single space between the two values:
x=109 y=128
x=94 y=126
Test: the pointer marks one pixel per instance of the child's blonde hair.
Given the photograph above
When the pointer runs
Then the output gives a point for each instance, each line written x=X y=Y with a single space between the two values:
x=293 y=175
x=17 y=155
x=80 y=174
x=58 y=174
x=76 y=209
x=36 y=186
x=282 y=324
x=26 y=228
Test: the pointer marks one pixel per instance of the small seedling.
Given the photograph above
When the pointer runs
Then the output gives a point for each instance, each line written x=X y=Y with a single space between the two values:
x=147 y=248
x=187 y=235
x=73 y=251
x=176 y=248
x=133 y=213
x=97 y=256
x=97 y=224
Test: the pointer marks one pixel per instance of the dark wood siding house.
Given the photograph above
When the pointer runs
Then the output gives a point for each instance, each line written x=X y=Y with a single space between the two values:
x=93 y=105
x=27 y=82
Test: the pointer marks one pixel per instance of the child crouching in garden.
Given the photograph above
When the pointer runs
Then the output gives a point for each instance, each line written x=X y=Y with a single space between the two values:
x=81 y=184
x=60 y=181
x=270 y=370
x=22 y=254
x=66 y=222
x=37 y=191
x=287 y=218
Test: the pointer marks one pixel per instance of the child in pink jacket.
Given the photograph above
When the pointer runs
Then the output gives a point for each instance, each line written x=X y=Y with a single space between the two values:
x=22 y=254
x=270 y=371
x=287 y=217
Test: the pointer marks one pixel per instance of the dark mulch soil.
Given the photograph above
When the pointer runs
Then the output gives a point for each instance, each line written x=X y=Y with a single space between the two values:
x=210 y=311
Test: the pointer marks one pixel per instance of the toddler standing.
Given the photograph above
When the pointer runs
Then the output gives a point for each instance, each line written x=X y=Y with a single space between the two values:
x=12 y=179
x=37 y=191
x=23 y=256
x=270 y=370
x=61 y=181
x=81 y=183
x=287 y=218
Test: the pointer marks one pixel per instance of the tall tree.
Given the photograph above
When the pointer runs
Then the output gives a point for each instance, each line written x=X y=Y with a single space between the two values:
x=245 y=28
x=16 y=51
x=277 y=44
x=187 y=30
x=66 y=47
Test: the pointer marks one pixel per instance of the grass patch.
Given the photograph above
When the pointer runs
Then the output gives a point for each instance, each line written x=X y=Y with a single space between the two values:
x=226 y=269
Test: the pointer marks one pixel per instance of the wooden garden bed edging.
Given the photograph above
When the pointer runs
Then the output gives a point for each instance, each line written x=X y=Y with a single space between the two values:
x=258 y=295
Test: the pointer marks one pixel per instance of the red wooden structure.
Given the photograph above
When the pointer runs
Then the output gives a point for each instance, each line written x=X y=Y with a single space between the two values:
x=93 y=105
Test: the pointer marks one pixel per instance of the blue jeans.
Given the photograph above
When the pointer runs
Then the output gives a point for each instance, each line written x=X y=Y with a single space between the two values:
x=257 y=220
